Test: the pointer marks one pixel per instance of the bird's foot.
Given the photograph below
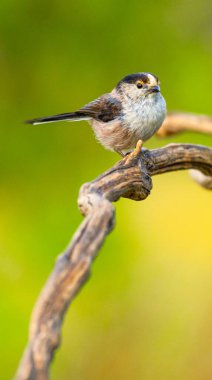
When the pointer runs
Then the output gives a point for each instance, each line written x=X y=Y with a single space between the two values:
x=134 y=152
x=138 y=148
x=131 y=156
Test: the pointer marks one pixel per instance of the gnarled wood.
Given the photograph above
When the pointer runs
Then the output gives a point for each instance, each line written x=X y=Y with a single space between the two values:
x=129 y=178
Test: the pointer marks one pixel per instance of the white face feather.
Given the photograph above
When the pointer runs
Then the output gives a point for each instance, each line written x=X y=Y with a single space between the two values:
x=152 y=80
x=130 y=91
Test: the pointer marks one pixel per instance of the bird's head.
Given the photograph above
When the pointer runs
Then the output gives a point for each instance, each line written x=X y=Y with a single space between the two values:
x=139 y=85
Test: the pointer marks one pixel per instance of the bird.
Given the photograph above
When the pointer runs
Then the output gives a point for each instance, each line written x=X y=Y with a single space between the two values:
x=134 y=110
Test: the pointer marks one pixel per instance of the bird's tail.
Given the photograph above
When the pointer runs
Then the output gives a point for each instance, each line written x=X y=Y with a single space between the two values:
x=71 y=116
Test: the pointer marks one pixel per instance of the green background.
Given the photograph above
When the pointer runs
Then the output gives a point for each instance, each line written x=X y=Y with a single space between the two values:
x=146 y=311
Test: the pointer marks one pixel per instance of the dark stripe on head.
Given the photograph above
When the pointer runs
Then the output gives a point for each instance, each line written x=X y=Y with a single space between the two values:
x=133 y=78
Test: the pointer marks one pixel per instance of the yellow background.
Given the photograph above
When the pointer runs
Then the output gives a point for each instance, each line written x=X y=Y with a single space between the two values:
x=146 y=311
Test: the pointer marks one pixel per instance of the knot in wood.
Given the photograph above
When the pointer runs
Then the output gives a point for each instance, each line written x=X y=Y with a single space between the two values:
x=127 y=179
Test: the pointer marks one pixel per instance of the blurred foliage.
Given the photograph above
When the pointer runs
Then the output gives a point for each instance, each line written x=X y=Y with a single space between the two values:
x=146 y=311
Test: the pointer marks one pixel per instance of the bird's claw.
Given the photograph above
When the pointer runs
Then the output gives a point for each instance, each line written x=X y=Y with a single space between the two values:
x=135 y=153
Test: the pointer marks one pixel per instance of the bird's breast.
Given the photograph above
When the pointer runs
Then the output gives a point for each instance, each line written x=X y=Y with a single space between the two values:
x=144 y=118
x=138 y=121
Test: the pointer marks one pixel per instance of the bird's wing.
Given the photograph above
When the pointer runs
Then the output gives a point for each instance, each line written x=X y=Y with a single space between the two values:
x=105 y=108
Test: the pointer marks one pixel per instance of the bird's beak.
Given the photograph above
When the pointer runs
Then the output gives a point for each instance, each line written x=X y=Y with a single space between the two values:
x=153 y=89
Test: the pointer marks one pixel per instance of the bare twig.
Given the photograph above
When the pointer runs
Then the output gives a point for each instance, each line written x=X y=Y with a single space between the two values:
x=177 y=122
x=130 y=178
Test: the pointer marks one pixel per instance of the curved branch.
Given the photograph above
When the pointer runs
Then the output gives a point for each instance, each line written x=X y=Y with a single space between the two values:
x=129 y=178
x=177 y=122
x=201 y=179
x=179 y=157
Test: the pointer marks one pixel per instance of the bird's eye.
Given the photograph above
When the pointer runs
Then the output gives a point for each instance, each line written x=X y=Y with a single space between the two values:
x=139 y=84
